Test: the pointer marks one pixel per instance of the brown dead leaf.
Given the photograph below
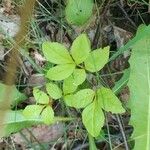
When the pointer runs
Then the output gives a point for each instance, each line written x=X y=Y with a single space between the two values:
x=40 y=133
x=36 y=80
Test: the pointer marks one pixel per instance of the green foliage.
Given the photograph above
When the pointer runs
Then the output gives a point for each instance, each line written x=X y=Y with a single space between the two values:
x=108 y=101
x=15 y=121
x=60 y=72
x=92 y=115
x=70 y=70
x=80 y=48
x=92 y=145
x=80 y=52
x=93 y=118
x=80 y=99
x=137 y=38
x=97 y=59
x=71 y=83
x=56 y=53
x=78 y=12
x=73 y=67
x=40 y=96
x=48 y=115
x=16 y=98
x=53 y=90
x=33 y=111
x=119 y=85
x=43 y=110
x=139 y=85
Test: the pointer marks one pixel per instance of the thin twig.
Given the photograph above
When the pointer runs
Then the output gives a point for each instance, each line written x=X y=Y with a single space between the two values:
x=123 y=133
x=126 y=15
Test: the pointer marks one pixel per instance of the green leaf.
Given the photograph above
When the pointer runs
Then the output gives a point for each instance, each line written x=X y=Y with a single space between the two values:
x=71 y=83
x=109 y=101
x=16 y=96
x=80 y=48
x=93 y=118
x=15 y=121
x=60 y=72
x=119 y=85
x=139 y=85
x=78 y=12
x=40 y=96
x=68 y=87
x=48 y=115
x=33 y=111
x=81 y=99
x=78 y=76
x=56 y=53
x=97 y=59
x=53 y=90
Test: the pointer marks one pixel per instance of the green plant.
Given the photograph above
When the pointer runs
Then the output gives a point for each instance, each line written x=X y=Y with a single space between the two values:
x=72 y=67
x=14 y=120
x=16 y=98
x=78 y=12
x=139 y=85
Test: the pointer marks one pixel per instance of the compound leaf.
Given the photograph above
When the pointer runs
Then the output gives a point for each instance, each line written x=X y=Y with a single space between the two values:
x=109 y=101
x=48 y=115
x=80 y=48
x=56 y=53
x=97 y=59
x=60 y=72
x=93 y=118
x=53 y=90
x=40 y=96
x=81 y=99
x=78 y=12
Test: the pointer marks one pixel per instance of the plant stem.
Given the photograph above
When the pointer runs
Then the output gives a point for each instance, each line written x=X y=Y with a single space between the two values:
x=92 y=145
x=122 y=132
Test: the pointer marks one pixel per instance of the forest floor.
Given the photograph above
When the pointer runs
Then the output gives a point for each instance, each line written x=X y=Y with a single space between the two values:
x=113 y=23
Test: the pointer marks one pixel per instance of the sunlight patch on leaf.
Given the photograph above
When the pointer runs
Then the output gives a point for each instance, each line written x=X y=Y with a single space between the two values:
x=56 y=53
x=71 y=83
x=40 y=96
x=48 y=115
x=60 y=72
x=80 y=48
x=33 y=111
x=53 y=90
x=109 y=101
x=80 y=99
x=93 y=118
x=97 y=59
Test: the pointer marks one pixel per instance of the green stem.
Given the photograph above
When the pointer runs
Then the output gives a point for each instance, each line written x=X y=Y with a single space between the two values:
x=92 y=145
